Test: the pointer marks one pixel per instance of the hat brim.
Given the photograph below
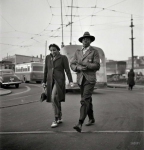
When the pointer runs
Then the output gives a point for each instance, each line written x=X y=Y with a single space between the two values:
x=91 y=37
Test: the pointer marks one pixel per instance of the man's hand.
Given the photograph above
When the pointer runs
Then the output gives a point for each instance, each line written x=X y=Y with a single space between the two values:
x=81 y=68
x=82 y=63
x=43 y=85
x=71 y=84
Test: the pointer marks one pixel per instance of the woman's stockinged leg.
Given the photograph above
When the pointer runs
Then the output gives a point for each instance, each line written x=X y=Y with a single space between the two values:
x=54 y=102
x=59 y=109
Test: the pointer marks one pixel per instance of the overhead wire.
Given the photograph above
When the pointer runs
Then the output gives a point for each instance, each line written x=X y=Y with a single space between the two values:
x=102 y=9
x=66 y=12
x=30 y=33
x=93 y=13
x=50 y=7
x=110 y=28
x=56 y=31
x=8 y=23
x=79 y=19
x=118 y=11
x=110 y=23
x=15 y=45
x=62 y=23
x=102 y=23
x=6 y=32
x=116 y=3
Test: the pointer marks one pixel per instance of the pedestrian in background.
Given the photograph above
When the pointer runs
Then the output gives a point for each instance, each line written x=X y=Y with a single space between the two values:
x=54 y=79
x=86 y=62
x=131 y=81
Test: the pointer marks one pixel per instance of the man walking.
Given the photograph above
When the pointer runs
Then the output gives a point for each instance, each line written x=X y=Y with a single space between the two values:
x=86 y=62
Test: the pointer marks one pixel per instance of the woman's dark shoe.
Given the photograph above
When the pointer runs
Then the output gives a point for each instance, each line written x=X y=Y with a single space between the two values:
x=78 y=127
x=43 y=97
x=91 y=121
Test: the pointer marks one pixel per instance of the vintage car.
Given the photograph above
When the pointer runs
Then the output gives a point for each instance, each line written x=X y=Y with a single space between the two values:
x=8 y=77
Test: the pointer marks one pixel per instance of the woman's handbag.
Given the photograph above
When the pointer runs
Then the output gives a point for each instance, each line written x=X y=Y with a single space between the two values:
x=43 y=95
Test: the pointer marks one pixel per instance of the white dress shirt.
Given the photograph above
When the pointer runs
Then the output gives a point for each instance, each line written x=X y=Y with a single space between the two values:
x=85 y=49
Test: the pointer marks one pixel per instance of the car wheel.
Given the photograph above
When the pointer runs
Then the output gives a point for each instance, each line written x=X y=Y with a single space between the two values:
x=17 y=85
x=38 y=81
x=1 y=86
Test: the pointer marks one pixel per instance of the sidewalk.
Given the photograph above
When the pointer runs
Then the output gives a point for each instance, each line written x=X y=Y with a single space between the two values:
x=115 y=85
x=4 y=92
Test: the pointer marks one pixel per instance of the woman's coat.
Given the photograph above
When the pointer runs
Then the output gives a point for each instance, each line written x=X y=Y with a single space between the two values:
x=55 y=70
x=131 y=76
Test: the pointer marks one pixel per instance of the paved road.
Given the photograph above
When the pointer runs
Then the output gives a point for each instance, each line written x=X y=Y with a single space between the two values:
x=25 y=122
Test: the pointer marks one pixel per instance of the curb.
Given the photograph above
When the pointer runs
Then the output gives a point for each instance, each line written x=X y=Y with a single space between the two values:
x=4 y=92
x=112 y=86
x=117 y=86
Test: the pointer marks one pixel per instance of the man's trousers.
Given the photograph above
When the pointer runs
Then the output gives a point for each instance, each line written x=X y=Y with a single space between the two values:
x=86 y=100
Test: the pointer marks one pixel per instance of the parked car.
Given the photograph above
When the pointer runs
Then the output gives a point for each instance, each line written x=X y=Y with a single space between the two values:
x=8 y=77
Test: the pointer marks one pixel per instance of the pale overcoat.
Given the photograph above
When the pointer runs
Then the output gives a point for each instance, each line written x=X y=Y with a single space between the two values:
x=90 y=59
x=55 y=70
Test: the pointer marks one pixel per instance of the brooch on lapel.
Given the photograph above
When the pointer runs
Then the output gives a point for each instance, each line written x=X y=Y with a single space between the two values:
x=90 y=60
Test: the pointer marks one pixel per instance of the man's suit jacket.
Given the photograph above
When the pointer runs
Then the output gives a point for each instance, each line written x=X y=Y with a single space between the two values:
x=91 y=60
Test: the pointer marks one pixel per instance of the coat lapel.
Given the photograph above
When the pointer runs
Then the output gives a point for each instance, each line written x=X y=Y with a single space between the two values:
x=50 y=61
x=80 y=53
x=57 y=57
x=87 y=53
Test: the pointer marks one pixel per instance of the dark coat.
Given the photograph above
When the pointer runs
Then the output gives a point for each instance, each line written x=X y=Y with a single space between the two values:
x=131 y=76
x=91 y=60
x=55 y=70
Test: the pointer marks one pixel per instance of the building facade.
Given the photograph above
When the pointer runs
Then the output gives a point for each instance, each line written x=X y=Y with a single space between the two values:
x=138 y=65
x=19 y=59
x=7 y=65
x=10 y=61
x=129 y=62
x=115 y=67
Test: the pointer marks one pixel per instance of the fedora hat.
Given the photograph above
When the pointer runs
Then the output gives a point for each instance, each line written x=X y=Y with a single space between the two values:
x=87 y=34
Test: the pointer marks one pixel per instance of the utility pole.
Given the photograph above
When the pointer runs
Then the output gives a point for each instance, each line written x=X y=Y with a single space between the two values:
x=62 y=25
x=71 y=22
x=45 y=49
x=132 y=43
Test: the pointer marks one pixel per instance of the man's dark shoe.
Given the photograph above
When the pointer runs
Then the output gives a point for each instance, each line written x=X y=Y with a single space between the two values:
x=78 y=127
x=91 y=121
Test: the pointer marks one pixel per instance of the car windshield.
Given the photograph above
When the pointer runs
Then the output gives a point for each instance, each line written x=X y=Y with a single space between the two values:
x=6 y=72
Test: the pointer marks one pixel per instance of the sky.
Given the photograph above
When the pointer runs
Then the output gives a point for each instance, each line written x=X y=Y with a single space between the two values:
x=26 y=25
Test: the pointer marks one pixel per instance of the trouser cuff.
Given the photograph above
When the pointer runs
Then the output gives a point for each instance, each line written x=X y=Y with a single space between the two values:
x=81 y=122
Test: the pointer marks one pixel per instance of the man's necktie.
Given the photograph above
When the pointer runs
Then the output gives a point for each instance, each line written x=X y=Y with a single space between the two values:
x=84 y=51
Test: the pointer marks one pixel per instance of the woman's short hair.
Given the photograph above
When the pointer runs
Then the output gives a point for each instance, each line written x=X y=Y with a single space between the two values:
x=54 y=45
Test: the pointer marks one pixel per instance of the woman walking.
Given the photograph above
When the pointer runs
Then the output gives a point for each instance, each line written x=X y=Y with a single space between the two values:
x=54 y=79
x=131 y=81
